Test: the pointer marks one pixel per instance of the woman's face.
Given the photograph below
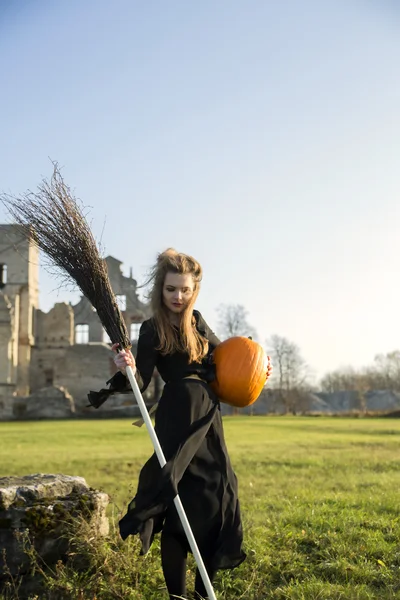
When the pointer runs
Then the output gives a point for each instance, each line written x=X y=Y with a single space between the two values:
x=177 y=291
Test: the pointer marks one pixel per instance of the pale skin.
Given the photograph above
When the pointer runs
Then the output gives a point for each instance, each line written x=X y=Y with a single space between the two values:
x=177 y=291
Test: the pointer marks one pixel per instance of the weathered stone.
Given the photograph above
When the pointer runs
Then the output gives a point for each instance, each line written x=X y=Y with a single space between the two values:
x=39 y=508
x=6 y=339
x=55 y=329
x=84 y=367
x=47 y=403
x=20 y=258
x=6 y=402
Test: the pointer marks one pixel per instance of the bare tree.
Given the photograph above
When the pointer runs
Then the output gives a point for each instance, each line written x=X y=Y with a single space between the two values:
x=345 y=379
x=387 y=366
x=292 y=373
x=232 y=321
x=384 y=374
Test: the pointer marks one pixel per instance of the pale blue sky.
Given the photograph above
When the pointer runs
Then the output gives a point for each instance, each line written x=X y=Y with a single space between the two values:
x=262 y=137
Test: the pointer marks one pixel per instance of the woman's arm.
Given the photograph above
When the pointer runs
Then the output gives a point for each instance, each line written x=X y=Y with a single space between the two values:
x=205 y=330
x=146 y=355
x=143 y=365
x=213 y=340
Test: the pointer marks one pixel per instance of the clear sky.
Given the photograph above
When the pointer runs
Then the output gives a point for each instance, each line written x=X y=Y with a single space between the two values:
x=262 y=137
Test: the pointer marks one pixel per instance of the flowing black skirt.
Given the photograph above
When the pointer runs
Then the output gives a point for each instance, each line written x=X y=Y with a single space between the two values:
x=189 y=428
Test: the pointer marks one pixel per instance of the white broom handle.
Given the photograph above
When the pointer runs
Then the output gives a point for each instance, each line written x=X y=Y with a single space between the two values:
x=177 y=501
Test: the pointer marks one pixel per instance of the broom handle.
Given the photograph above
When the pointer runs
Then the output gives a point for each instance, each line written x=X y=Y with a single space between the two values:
x=177 y=501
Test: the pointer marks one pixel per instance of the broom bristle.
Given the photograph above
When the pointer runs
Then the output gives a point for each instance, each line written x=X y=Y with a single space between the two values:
x=52 y=218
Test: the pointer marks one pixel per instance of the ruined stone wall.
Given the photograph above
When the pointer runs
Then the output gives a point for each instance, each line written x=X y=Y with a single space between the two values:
x=55 y=329
x=84 y=368
x=46 y=403
x=20 y=260
x=42 y=366
x=54 y=334
x=39 y=350
x=6 y=340
x=125 y=288
x=132 y=309
x=85 y=314
x=6 y=402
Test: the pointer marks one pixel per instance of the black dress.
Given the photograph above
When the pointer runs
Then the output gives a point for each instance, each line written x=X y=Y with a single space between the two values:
x=189 y=427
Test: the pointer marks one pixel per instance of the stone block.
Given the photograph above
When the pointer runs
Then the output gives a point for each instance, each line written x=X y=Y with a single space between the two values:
x=46 y=403
x=40 y=508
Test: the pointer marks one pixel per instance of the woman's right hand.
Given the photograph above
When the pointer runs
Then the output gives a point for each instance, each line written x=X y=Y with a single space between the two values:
x=123 y=359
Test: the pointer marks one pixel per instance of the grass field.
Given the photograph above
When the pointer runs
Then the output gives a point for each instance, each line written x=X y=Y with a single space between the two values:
x=320 y=501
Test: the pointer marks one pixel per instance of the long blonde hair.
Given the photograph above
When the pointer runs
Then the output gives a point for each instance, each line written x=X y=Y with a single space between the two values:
x=189 y=340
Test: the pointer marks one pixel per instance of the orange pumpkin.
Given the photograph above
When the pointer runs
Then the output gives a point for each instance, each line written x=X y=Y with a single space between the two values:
x=241 y=371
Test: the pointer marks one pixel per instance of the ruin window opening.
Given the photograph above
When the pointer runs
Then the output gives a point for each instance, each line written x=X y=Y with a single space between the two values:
x=3 y=275
x=121 y=301
x=82 y=333
x=106 y=337
x=134 y=332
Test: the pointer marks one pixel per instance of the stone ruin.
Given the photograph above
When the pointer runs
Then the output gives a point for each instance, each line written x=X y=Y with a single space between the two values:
x=48 y=403
x=39 y=509
x=65 y=348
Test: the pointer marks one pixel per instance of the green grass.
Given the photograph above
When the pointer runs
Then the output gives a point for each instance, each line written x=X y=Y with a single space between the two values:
x=320 y=503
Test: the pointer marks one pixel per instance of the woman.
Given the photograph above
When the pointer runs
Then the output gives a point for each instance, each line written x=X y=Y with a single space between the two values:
x=178 y=342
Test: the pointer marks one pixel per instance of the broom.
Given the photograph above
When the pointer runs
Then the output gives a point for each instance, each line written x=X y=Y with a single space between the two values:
x=52 y=219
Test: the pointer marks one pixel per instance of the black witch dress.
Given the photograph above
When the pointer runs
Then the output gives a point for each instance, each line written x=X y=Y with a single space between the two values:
x=189 y=427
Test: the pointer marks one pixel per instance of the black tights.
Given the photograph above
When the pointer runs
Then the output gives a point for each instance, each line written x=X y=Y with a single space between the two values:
x=173 y=558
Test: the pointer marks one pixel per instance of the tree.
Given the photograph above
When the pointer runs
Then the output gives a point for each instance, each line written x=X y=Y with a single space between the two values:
x=387 y=370
x=292 y=373
x=345 y=379
x=232 y=321
x=384 y=374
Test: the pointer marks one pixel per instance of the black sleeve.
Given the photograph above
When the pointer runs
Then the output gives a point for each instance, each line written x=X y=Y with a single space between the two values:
x=212 y=338
x=146 y=355
x=202 y=326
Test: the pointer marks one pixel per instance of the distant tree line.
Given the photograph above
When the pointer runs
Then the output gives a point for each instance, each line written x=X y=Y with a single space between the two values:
x=292 y=376
x=383 y=374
